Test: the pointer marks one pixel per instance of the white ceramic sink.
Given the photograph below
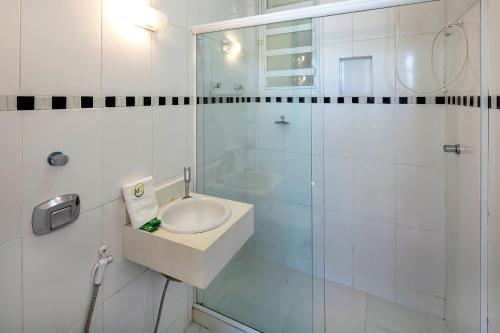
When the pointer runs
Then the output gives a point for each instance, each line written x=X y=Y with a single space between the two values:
x=194 y=215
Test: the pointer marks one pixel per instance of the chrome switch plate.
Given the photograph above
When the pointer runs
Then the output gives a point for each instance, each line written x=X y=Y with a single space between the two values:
x=55 y=214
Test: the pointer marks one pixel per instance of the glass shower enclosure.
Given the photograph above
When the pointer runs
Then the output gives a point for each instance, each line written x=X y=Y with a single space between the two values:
x=330 y=127
x=257 y=148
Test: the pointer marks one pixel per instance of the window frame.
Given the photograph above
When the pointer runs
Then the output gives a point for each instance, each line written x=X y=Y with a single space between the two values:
x=264 y=53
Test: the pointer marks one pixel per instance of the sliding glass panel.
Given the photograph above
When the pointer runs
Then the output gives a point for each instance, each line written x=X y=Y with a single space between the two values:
x=360 y=149
x=257 y=148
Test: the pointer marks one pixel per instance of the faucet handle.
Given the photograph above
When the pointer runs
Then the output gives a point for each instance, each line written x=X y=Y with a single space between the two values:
x=187 y=174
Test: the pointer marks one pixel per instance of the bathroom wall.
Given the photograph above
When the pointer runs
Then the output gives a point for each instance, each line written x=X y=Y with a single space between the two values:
x=494 y=185
x=72 y=49
x=203 y=11
x=463 y=176
x=383 y=165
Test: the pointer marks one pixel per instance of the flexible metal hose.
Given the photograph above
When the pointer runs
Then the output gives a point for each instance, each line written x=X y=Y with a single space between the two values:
x=167 y=282
x=161 y=304
x=91 y=308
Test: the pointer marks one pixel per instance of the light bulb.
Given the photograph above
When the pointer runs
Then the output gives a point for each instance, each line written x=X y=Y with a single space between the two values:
x=231 y=47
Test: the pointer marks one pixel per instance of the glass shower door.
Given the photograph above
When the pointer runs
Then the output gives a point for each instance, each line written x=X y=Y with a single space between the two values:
x=254 y=145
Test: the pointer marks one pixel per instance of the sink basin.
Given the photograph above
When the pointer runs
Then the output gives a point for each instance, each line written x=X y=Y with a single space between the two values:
x=194 y=215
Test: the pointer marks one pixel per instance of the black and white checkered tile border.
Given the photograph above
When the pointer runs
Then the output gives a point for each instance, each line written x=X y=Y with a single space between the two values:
x=470 y=101
x=12 y=103
x=325 y=100
x=24 y=103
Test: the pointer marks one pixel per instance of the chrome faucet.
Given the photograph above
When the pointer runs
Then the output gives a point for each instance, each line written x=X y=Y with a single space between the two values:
x=187 y=180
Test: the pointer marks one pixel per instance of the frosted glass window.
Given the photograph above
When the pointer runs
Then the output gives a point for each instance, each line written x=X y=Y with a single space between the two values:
x=356 y=76
x=289 y=40
x=289 y=61
x=279 y=3
x=288 y=24
x=290 y=81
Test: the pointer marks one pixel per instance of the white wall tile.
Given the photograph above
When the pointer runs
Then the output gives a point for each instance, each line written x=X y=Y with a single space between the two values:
x=122 y=271
x=493 y=272
x=268 y=219
x=338 y=247
x=373 y=24
x=60 y=47
x=318 y=128
x=213 y=11
x=297 y=136
x=10 y=288
x=338 y=130
x=421 y=301
x=337 y=28
x=374 y=249
x=382 y=52
x=45 y=132
x=331 y=66
x=422 y=18
x=9 y=41
x=172 y=141
x=10 y=175
x=96 y=325
x=421 y=198
x=175 y=302
x=456 y=8
x=469 y=80
x=420 y=263
x=134 y=302
x=297 y=179
x=339 y=184
x=380 y=287
x=130 y=74
x=420 y=135
x=493 y=45
x=374 y=133
x=127 y=148
x=374 y=190
x=170 y=61
x=415 y=59
x=268 y=135
x=176 y=11
x=57 y=270
x=181 y=323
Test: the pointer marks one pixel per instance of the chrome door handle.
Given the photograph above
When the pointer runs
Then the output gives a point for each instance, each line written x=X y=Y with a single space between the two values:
x=457 y=149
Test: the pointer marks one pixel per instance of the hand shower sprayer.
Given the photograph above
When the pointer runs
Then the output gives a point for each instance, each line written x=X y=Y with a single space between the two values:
x=98 y=274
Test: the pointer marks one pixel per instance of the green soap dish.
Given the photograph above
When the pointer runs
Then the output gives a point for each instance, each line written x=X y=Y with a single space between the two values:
x=151 y=226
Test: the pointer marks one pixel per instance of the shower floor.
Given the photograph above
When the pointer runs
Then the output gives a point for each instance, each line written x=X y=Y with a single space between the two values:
x=275 y=298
